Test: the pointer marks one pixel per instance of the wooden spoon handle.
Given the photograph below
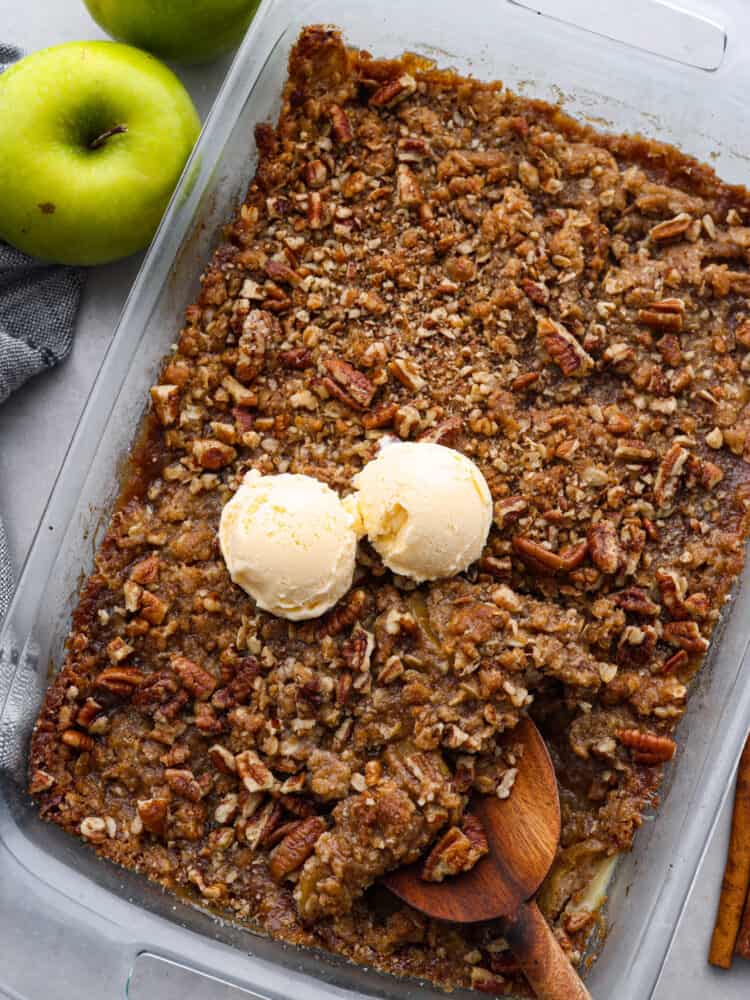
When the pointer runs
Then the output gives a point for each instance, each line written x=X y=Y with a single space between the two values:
x=543 y=961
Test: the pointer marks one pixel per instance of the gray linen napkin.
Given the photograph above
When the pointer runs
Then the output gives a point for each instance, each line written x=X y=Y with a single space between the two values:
x=38 y=305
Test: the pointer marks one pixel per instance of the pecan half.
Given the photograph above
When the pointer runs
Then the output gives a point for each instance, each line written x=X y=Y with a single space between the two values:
x=647 y=748
x=120 y=680
x=666 y=314
x=355 y=387
x=296 y=847
x=393 y=91
x=670 y=229
x=408 y=189
x=382 y=416
x=634 y=451
x=563 y=348
x=346 y=612
x=296 y=357
x=604 y=547
x=77 y=740
x=340 y=125
x=277 y=270
x=544 y=561
x=636 y=601
x=199 y=682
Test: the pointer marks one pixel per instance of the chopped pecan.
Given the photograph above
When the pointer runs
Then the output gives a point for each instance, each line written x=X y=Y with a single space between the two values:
x=340 y=125
x=356 y=388
x=296 y=847
x=524 y=381
x=647 y=748
x=545 y=562
x=358 y=648
x=406 y=371
x=222 y=759
x=212 y=454
x=199 y=682
x=604 y=546
x=40 y=782
x=509 y=509
x=444 y=433
x=346 y=612
x=118 y=650
x=686 y=635
x=166 y=403
x=393 y=91
x=458 y=850
x=671 y=228
x=153 y=814
x=634 y=451
x=674 y=662
x=316 y=173
x=146 y=571
x=666 y=314
x=382 y=416
x=255 y=776
x=411 y=149
x=669 y=473
x=669 y=348
x=537 y=292
x=315 y=217
x=297 y=358
x=636 y=601
x=77 y=740
x=120 y=680
x=183 y=782
x=241 y=395
x=563 y=348
x=262 y=825
x=279 y=271
x=259 y=329
x=90 y=710
x=408 y=188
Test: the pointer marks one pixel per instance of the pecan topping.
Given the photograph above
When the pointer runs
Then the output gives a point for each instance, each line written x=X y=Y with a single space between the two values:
x=393 y=91
x=444 y=433
x=636 y=601
x=382 y=416
x=604 y=546
x=90 y=711
x=255 y=776
x=355 y=387
x=166 y=402
x=545 y=562
x=259 y=328
x=40 y=782
x=183 y=782
x=120 y=680
x=316 y=173
x=153 y=814
x=668 y=476
x=634 y=451
x=647 y=748
x=666 y=314
x=509 y=509
x=199 y=682
x=563 y=348
x=686 y=635
x=296 y=847
x=77 y=740
x=297 y=357
x=408 y=188
x=671 y=228
x=340 y=124
x=212 y=454
x=458 y=850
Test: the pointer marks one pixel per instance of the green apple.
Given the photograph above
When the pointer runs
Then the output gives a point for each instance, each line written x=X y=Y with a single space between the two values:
x=93 y=139
x=184 y=31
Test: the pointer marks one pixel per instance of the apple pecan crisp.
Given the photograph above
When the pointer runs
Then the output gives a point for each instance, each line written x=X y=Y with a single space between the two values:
x=432 y=258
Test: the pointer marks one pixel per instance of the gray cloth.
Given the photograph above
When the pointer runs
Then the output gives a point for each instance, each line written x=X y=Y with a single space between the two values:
x=38 y=305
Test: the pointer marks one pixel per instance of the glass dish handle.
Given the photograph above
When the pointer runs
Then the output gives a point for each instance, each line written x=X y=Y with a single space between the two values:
x=674 y=33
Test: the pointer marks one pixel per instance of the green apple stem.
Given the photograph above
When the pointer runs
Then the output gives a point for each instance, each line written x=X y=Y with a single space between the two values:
x=101 y=139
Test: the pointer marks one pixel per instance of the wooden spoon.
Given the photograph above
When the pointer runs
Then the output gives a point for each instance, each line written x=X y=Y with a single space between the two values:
x=522 y=833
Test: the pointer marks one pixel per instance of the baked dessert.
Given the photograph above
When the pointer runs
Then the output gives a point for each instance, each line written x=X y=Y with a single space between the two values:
x=433 y=258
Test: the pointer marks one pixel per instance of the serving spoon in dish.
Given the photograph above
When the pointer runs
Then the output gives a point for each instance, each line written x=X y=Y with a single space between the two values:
x=522 y=833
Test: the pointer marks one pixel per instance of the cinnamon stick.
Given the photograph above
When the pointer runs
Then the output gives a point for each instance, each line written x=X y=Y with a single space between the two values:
x=734 y=886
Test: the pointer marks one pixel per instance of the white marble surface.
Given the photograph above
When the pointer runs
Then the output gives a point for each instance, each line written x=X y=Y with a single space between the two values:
x=36 y=426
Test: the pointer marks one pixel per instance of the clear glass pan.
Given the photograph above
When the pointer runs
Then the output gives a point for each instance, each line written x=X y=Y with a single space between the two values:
x=74 y=926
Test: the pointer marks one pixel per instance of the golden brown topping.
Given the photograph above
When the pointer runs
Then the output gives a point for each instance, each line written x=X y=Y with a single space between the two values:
x=563 y=348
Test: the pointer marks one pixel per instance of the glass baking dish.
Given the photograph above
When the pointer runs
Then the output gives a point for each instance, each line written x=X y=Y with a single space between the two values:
x=73 y=925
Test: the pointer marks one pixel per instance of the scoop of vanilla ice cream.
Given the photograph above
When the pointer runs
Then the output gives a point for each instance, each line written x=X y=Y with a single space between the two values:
x=289 y=543
x=426 y=509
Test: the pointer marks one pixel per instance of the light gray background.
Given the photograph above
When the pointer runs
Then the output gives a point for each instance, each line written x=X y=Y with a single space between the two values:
x=37 y=424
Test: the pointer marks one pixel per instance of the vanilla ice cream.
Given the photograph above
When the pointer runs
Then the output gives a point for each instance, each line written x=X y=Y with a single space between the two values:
x=289 y=542
x=426 y=509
